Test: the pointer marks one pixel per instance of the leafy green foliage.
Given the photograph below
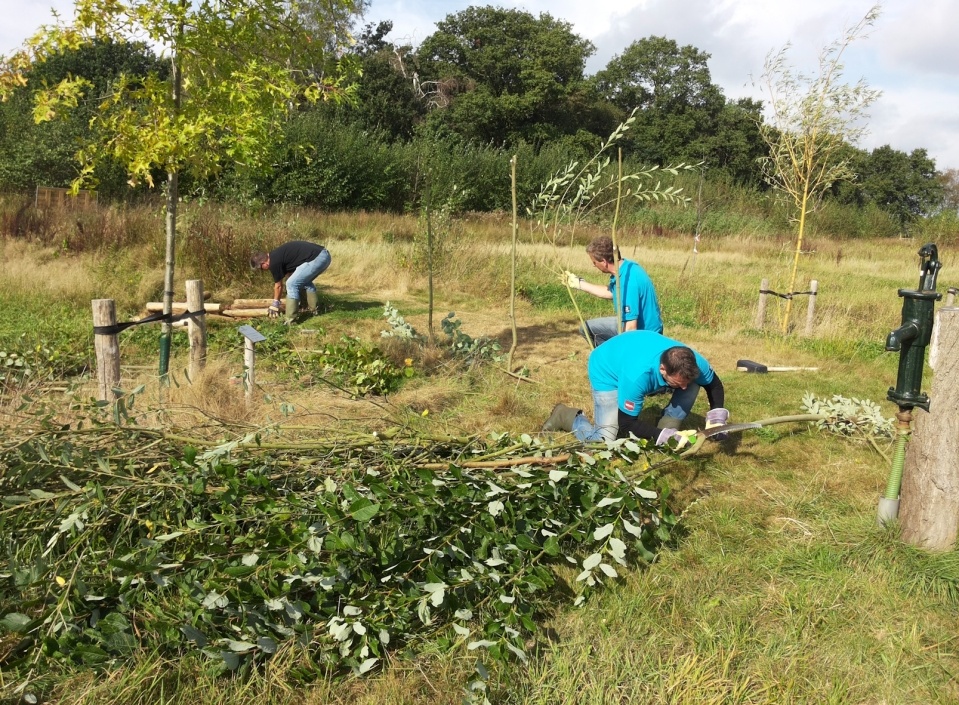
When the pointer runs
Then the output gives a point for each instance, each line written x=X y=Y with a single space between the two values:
x=493 y=73
x=57 y=345
x=31 y=153
x=466 y=347
x=399 y=328
x=593 y=190
x=903 y=185
x=850 y=416
x=678 y=104
x=360 y=367
x=121 y=540
x=351 y=364
x=38 y=362
x=462 y=345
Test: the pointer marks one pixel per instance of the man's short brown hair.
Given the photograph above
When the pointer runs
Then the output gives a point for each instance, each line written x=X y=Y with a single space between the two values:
x=600 y=248
x=680 y=361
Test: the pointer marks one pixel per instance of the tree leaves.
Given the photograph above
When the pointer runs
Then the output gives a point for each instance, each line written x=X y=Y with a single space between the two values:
x=365 y=550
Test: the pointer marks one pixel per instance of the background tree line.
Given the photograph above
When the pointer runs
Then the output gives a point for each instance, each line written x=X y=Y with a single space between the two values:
x=489 y=83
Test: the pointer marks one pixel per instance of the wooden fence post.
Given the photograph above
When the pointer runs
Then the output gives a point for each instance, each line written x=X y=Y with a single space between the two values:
x=950 y=297
x=811 y=308
x=196 y=327
x=929 y=509
x=249 y=362
x=107 y=350
x=761 y=313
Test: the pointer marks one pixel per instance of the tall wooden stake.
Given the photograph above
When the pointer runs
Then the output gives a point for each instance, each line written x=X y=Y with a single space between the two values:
x=249 y=365
x=429 y=256
x=512 y=272
x=811 y=308
x=761 y=312
x=107 y=350
x=196 y=327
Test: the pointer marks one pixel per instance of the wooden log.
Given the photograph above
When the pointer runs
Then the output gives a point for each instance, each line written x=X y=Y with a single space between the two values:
x=246 y=312
x=182 y=306
x=196 y=327
x=107 y=350
x=250 y=303
x=929 y=512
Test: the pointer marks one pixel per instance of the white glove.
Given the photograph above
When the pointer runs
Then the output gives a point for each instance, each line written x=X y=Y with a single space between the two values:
x=274 y=310
x=571 y=280
x=682 y=437
x=717 y=417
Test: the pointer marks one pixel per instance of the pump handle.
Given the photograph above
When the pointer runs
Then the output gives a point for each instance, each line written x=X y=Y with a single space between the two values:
x=929 y=266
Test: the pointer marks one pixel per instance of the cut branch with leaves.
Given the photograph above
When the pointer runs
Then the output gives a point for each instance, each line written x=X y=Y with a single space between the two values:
x=588 y=192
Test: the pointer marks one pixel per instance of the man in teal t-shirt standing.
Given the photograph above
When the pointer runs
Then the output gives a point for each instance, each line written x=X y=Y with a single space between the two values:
x=630 y=289
x=627 y=369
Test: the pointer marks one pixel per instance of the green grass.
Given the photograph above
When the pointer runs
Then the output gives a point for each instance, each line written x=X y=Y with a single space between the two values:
x=780 y=588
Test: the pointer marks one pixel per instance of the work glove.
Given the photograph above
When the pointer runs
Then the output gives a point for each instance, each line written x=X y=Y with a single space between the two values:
x=717 y=417
x=573 y=281
x=274 y=310
x=682 y=437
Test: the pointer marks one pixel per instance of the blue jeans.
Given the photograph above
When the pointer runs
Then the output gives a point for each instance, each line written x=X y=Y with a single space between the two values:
x=303 y=276
x=679 y=406
x=599 y=330
x=606 y=410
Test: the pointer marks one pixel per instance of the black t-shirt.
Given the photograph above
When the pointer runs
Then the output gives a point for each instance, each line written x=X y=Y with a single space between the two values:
x=287 y=257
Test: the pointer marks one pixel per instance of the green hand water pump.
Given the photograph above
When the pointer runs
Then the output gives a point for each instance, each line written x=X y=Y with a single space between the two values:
x=910 y=340
x=912 y=337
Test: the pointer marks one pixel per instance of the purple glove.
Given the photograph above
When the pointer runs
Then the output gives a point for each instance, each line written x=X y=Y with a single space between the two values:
x=717 y=417
x=682 y=437
x=274 y=310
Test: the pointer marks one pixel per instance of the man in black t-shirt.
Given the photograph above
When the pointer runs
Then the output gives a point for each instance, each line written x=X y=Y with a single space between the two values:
x=300 y=262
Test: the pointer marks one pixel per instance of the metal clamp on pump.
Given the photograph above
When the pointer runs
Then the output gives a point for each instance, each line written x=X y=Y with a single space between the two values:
x=912 y=337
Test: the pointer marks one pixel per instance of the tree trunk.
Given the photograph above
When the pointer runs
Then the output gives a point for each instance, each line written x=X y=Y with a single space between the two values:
x=172 y=199
x=929 y=508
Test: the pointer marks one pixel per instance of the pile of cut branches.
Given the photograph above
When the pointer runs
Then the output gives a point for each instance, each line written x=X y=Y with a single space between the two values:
x=120 y=540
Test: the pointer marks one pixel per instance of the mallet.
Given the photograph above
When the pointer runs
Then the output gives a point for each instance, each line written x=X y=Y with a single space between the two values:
x=750 y=366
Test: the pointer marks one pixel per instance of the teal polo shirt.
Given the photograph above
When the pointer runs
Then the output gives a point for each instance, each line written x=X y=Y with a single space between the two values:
x=629 y=364
x=639 y=302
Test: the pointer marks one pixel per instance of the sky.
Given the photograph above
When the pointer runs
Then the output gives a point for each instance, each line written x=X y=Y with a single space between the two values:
x=911 y=54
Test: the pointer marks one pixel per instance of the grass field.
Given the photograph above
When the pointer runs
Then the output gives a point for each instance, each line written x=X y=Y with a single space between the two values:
x=779 y=588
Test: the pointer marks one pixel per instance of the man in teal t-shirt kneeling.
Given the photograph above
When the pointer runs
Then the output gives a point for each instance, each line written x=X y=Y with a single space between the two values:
x=625 y=370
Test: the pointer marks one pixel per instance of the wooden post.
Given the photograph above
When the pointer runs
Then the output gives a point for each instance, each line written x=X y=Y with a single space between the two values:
x=107 y=350
x=196 y=327
x=929 y=500
x=249 y=358
x=950 y=297
x=811 y=308
x=761 y=313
